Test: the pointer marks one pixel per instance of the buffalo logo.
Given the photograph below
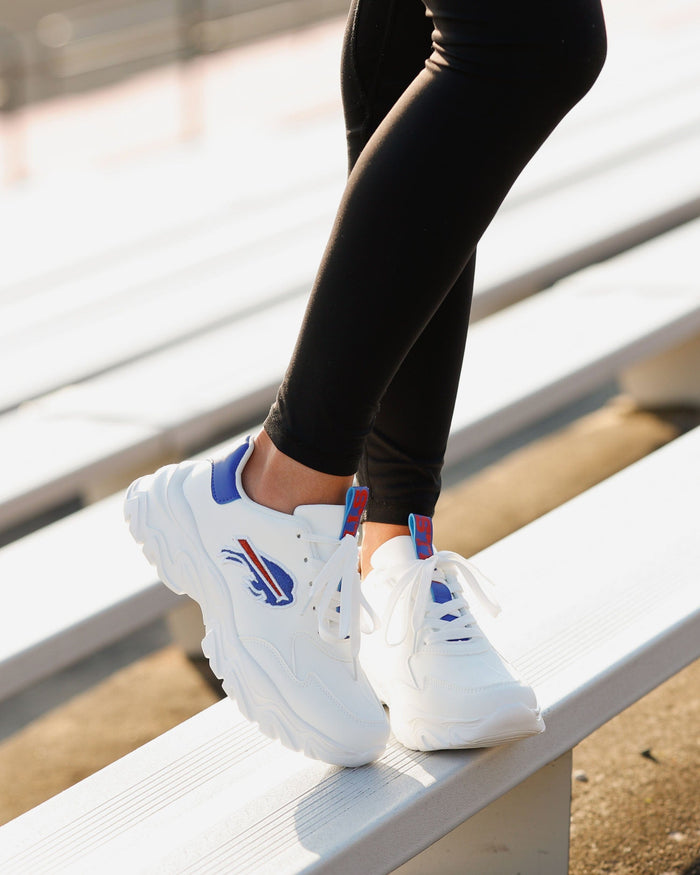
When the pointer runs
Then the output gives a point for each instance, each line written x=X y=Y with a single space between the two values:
x=266 y=580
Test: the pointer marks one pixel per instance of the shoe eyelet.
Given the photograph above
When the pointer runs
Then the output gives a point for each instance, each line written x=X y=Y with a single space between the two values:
x=306 y=558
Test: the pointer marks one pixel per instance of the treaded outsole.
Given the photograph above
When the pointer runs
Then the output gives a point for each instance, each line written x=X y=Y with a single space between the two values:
x=177 y=572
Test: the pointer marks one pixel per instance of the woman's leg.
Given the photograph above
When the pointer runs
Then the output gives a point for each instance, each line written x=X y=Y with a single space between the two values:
x=443 y=682
x=425 y=187
x=387 y=43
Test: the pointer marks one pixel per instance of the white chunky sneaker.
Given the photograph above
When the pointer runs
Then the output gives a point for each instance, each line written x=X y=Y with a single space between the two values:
x=281 y=601
x=444 y=683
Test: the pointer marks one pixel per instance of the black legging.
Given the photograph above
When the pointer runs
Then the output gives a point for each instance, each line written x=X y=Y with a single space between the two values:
x=434 y=148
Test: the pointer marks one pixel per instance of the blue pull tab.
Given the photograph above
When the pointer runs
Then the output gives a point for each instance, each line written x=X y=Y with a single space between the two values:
x=355 y=502
x=421 y=528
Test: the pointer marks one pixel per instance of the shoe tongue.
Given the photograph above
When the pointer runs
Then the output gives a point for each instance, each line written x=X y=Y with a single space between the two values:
x=440 y=593
x=334 y=520
x=397 y=552
x=404 y=549
x=323 y=519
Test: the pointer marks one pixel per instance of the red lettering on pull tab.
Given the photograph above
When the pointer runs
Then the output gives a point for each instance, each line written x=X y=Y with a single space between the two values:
x=423 y=536
x=354 y=512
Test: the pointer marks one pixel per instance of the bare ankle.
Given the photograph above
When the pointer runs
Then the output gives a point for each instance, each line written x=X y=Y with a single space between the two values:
x=373 y=536
x=279 y=482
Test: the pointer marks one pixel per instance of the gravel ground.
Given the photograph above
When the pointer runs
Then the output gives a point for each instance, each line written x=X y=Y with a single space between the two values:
x=636 y=804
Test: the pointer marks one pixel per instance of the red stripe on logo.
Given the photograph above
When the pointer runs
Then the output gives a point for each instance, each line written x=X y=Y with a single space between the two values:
x=257 y=561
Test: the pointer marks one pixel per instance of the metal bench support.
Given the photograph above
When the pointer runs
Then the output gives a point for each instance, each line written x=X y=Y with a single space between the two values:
x=526 y=830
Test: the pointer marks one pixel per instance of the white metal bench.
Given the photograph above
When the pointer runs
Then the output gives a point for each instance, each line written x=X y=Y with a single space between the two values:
x=600 y=604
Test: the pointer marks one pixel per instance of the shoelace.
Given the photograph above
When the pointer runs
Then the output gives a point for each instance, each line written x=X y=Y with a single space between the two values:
x=342 y=611
x=414 y=584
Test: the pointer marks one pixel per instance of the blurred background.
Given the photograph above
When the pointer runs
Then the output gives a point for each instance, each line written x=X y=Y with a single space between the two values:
x=167 y=166
x=87 y=83
x=61 y=63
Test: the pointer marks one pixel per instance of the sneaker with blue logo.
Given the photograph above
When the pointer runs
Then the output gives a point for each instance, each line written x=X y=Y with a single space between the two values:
x=280 y=597
x=428 y=660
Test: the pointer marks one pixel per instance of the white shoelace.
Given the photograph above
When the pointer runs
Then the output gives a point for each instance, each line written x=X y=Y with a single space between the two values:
x=414 y=584
x=335 y=592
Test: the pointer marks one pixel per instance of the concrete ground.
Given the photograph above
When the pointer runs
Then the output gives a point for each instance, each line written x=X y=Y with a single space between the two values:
x=635 y=806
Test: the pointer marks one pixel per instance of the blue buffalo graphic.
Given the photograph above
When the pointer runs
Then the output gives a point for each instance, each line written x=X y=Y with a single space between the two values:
x=266 y=580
